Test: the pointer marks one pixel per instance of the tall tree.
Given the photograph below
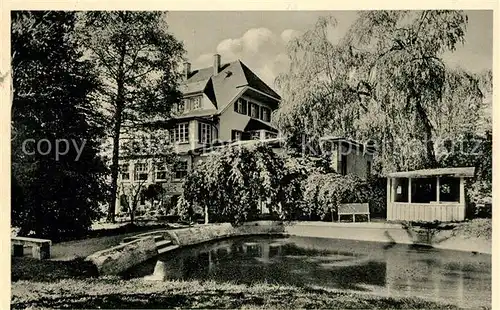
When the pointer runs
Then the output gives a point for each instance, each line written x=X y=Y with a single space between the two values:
x=57 y=189
x=138 y=63
x=384 y=80
x=404 y=71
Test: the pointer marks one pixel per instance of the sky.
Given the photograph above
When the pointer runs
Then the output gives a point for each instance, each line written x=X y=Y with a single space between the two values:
x=259 y=39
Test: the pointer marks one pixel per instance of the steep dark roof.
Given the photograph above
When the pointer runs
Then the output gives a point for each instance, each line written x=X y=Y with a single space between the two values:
x=255 y=124
x=203 y=74
x=222 y=88
x=255 y=82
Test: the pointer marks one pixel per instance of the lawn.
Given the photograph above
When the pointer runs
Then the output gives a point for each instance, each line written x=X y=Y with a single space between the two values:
x=137 y=293
x=74 y=284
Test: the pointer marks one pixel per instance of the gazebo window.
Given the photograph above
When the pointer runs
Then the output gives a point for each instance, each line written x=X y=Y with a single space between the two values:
x=401 y=190
x=450 y=189
x=424 y=189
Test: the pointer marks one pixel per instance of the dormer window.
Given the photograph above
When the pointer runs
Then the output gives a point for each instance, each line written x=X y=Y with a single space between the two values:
x=181 y=106
x=266 y=114
x=254 y=110
x=194 y=103
x=188 y=104
x=240 y=106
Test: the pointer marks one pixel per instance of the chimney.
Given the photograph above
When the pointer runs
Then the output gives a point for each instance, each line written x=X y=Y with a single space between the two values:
x=186 y=69
x=216 y=64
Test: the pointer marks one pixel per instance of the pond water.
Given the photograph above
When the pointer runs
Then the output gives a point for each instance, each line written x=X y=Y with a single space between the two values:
x=459 y=278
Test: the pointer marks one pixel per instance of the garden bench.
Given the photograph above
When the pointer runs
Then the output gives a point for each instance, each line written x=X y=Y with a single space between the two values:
x=40 y=247
x=353 y=209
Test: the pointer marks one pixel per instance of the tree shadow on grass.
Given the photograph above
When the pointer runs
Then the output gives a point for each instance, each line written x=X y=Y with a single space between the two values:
x=219 y=299
x=27 y=268
x=146 y=301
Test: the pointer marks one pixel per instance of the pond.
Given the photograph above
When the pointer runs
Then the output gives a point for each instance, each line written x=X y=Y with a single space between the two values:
x=459 y=278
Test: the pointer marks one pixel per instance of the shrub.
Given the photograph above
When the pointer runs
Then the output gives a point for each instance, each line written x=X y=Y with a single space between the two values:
x=378 y=196
x=297 y=168
x=325 y=192
x=231 y=183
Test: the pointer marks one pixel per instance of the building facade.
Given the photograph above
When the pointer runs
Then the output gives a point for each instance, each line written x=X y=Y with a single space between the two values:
x=221 y=104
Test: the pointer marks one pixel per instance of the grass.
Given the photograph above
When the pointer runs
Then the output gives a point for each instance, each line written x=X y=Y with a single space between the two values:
x=477 y=228
x=113 y=292
x=74 y=284
x=30 y=269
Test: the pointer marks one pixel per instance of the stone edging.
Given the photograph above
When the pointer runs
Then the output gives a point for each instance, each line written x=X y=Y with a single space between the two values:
x=122 y=257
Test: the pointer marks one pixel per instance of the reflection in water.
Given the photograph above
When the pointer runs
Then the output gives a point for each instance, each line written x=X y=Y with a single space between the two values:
x=449 y=276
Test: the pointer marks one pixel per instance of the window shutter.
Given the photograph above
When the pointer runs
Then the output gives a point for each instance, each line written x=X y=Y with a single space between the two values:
x=199 y=132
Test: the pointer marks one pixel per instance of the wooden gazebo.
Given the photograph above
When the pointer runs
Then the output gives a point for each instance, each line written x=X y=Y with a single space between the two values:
x=427 y=195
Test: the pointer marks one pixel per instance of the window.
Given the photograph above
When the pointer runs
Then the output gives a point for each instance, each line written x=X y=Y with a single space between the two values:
x=123 y=203
x=204 y=133
x=142 y=197
x=141 y=171
x=161 y=171
x=449 y=189
x=254 y=110
x=270 y=135
x=343 y=164
x=236 y=135
x=423 y=190
x=173 y=200
x=368 y=168
x=124 y=171
x=255 y=135
x=194 y=103
x=266 y=114
x=180 y=133
x=240 y=106
x=181 y=169
x=181 y=106
x=188 y=104
x=401 y=186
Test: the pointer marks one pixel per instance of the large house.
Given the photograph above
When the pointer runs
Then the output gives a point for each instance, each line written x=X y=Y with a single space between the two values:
x=221 y=104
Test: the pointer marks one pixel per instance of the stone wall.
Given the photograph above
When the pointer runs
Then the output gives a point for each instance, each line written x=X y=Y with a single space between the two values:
x=376 y=232
x=205 y=233
x=387 y=233
x=117 y=259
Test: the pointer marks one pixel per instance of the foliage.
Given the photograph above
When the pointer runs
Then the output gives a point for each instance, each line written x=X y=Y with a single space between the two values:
x=54 y=196
x=296 y=170
x=325 y=192
x=378 y=196
x=477 y=228
x=231 y=182
x=383 y=81
x=137 y=60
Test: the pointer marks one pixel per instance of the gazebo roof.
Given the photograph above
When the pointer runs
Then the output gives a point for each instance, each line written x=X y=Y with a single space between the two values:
x=454 y=172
